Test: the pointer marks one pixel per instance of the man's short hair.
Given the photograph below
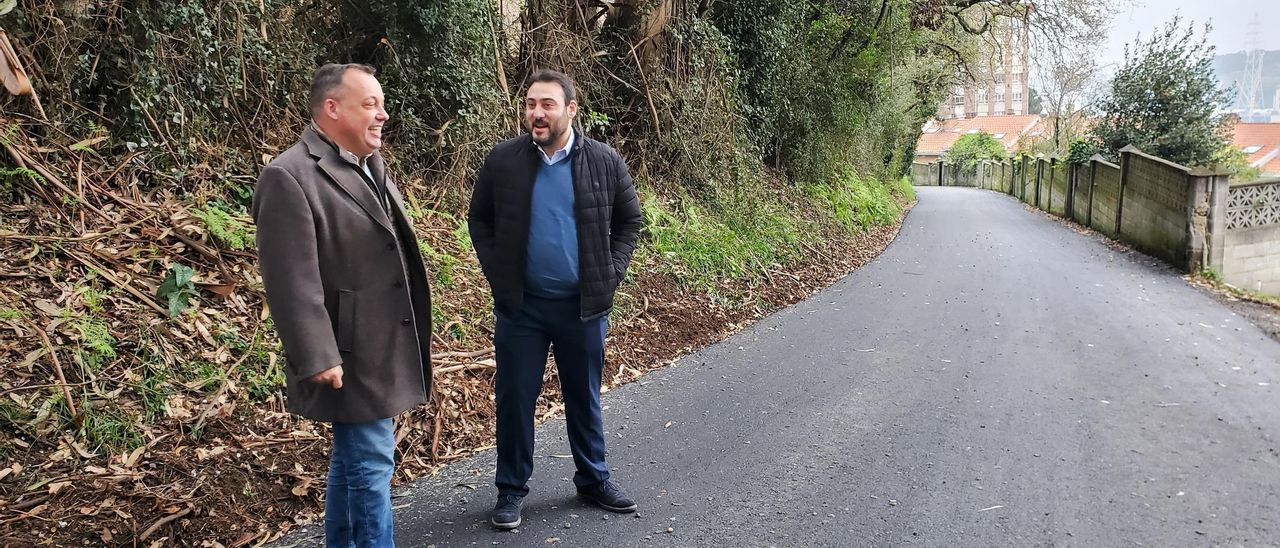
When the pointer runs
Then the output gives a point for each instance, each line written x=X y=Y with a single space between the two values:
x=329 y=77
x=553 y=76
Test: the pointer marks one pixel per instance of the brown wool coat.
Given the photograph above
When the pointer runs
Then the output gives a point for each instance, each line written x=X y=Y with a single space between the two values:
x=338 y=289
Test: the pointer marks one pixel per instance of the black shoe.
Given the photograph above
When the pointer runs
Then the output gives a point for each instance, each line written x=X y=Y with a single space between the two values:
x=506 y=514
x=608 y=496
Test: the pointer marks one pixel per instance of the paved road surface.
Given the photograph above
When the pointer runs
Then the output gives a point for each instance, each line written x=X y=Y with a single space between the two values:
x=994 y=379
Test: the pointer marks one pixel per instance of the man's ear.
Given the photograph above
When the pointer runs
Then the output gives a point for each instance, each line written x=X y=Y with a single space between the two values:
x=572 y=108
x=330 y=109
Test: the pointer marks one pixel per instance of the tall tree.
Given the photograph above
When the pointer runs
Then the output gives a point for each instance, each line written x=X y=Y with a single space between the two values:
x=1165 y=99
x=1067 y=81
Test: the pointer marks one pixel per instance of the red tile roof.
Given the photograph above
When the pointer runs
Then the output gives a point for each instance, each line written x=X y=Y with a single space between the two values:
x=939 y=136
x=1266 y=138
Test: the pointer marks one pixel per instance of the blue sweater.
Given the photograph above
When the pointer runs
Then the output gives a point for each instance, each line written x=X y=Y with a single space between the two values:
x=551 y=270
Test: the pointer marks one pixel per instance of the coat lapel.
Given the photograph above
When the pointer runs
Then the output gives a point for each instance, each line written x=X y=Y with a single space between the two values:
x=378 y=166
x=344 y=176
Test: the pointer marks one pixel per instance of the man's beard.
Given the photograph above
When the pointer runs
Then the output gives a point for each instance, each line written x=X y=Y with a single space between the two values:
x=552 y=136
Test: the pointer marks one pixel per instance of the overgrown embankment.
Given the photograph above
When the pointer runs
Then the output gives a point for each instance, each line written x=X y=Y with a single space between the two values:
x=141 y=400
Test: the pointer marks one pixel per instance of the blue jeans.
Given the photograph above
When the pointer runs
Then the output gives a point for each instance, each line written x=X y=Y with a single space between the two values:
x=521 y=340
x=357 y=505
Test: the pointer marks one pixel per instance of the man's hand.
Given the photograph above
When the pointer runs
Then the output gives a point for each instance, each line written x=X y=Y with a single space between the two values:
x=331 y=376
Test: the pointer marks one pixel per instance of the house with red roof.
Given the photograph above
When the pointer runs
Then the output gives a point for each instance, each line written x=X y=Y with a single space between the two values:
x=1261 y=143
x=938 y=135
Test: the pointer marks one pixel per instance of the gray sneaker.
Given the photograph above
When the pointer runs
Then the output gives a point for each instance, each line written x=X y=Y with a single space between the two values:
x=506 y=514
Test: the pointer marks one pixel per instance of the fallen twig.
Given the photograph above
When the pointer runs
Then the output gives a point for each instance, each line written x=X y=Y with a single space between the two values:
x=118 y=283
x=21 y=506
x=463 y=367
x=464 y=355
x=162 y=522
x=57 y=365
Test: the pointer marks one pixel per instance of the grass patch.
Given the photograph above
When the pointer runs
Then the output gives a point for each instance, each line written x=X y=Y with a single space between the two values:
x=7 y=313
x=97 y=345
x=9 y=180
x=13 y=416
x=261 y=378
x=1214 y=279
x=858 y=203
x=454 y=328
x=102 y=427
x=153 y=389
x=705 y=246
x=201 y=375
x=442 y=265
x=903 y=189
x=109 y=429
x=462 y=235
x=92 y=298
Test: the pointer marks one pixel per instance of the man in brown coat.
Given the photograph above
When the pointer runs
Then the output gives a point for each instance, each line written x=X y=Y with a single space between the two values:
x=348 y=293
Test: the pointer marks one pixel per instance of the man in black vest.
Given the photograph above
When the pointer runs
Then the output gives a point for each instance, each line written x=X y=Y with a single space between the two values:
x=554 y=220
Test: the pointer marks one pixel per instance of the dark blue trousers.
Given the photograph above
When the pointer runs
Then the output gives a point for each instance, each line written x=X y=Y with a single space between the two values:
x=521 y=340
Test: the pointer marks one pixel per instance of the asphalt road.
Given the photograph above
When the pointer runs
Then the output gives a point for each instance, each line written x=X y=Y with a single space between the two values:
x=994 y=379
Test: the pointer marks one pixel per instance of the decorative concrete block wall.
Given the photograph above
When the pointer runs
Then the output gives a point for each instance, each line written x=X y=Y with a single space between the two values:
x=1251 y=258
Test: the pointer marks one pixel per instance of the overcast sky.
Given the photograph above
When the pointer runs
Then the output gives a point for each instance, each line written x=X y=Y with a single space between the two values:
x=1231 y=21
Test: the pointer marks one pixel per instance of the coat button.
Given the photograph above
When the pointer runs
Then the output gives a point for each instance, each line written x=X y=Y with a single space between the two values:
x=398 y=284
x=406 y=322
x=391 y=245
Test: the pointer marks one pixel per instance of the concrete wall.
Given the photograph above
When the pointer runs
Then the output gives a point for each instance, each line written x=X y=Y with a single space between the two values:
x=1189 y=218
x=1081 y=185
x=1004 y=175
x=1058 y=188
x=1251 y=258
x=1027 y=180
x=1106 y=197
x=960 y=177
x=924 y=174
x=1154 y=212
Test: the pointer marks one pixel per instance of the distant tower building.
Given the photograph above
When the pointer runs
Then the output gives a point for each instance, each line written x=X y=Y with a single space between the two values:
x=998 y=85
x=1252 y=85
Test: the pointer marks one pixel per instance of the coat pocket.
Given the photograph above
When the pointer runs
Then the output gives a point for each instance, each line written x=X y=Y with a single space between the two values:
x=346 y=320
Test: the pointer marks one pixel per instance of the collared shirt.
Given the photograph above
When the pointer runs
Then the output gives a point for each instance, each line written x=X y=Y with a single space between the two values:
x=347 y=155
x=361 y=163
x=559 y=154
